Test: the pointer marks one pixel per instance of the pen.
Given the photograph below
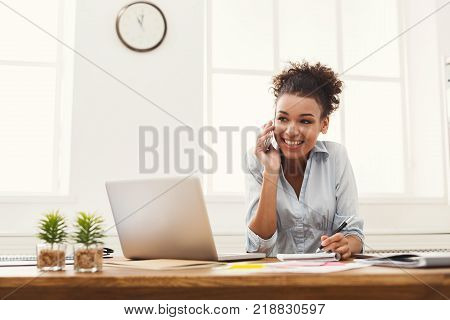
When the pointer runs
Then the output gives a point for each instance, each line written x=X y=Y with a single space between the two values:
x=339 y=229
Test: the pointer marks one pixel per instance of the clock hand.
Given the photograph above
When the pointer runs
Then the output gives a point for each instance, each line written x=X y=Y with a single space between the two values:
x=142 y=21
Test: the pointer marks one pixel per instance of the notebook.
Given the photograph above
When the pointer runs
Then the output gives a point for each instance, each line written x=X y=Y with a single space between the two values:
x=319 y=257
x=405 y=251
x=410 y=260
x=161 y=264
x=23 y=260
x=30 y=259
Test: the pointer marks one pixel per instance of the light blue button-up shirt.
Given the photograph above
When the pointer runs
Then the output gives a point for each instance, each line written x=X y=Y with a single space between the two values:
x=327 y=197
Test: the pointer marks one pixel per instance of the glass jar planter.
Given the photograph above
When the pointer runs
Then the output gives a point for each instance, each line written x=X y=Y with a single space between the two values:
x=51 y=257
x=88 y=258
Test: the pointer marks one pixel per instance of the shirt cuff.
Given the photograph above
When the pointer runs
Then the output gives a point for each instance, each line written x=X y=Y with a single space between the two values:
x=257 y=244
x=359 y=236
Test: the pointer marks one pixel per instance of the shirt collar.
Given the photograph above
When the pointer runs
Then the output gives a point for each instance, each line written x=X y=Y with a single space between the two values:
x=320 y=148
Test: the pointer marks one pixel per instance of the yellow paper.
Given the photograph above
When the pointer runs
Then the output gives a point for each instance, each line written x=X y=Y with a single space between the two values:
x=247 y=266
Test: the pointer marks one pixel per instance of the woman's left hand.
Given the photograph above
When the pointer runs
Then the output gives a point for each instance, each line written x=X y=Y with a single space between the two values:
x=336 y=243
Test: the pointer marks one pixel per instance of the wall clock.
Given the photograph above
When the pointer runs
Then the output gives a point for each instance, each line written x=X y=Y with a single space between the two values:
x=141 y=26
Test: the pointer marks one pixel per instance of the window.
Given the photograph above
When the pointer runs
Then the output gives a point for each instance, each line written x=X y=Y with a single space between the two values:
x=381 y=116
x=35 y=97
x=239 y=73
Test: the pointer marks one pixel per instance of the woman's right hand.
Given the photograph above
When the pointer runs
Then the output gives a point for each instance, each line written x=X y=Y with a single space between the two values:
x=270 y=159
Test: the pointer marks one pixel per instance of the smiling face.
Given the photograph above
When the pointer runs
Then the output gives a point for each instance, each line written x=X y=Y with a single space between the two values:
x=298 y=123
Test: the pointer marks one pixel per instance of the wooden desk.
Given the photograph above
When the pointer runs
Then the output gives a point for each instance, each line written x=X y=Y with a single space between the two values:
x=120 y=283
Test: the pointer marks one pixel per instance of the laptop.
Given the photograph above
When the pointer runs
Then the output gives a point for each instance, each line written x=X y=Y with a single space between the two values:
x=165 y=218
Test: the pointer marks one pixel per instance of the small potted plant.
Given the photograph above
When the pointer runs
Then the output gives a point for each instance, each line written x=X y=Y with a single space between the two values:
x=88 y=249
x=51 y=254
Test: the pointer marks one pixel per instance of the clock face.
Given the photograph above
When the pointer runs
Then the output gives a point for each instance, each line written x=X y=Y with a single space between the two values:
x=141 y=26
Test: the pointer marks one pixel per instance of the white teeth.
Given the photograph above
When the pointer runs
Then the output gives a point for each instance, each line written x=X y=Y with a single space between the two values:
x=293 y=143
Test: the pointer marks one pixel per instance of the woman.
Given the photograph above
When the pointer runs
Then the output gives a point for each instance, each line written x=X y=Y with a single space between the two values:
x=300 y=189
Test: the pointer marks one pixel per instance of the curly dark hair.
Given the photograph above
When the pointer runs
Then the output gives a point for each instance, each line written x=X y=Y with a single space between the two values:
x=305 y=80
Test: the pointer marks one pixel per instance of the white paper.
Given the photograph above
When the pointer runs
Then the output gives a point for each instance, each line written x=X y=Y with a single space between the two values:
x=312 y=267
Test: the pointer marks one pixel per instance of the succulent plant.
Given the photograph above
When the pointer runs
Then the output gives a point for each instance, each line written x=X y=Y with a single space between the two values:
x=88 y=229
x=53 y=228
